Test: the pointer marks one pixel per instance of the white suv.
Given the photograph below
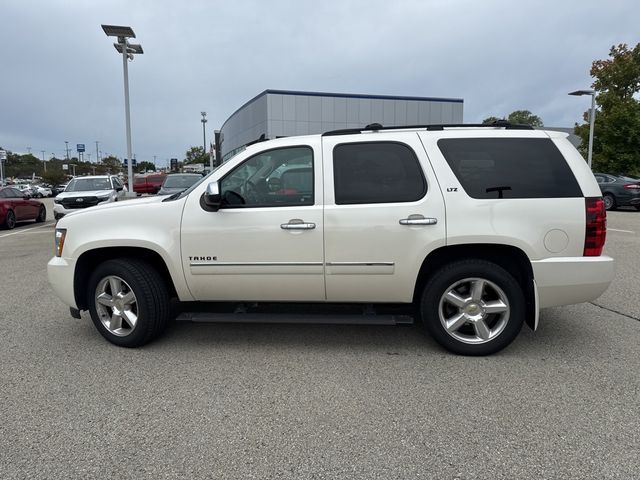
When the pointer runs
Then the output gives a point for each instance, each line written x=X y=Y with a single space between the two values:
x=83 y=192
x=470 y=229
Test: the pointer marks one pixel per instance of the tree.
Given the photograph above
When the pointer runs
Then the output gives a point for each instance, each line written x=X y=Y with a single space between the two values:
x=616 y=141
x=520 y=117
x=146 y=166
x=524 y=117
x=489 y=120
x=196 y=155
x=112 y=164
x=54 y=177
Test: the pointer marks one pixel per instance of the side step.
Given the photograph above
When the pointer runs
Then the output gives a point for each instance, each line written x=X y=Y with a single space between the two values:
x=257 y=313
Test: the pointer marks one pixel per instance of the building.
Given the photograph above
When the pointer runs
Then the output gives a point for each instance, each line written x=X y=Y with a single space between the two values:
x=280 y=113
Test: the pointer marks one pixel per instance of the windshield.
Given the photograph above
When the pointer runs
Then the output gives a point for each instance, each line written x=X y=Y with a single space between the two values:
x=87 y=184
x=181 y=181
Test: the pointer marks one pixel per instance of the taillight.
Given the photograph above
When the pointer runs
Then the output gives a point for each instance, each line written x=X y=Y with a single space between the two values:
x=596 y=231
x=632 y=186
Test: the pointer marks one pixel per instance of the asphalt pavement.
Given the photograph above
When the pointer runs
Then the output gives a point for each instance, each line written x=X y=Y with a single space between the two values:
x=319 y=402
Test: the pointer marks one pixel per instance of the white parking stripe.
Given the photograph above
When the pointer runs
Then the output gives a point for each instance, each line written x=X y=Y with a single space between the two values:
x=618 y=230
x=24 y=230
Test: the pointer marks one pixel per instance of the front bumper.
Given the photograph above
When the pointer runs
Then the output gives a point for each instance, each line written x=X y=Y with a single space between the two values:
x=60 y=271
x=569 y=280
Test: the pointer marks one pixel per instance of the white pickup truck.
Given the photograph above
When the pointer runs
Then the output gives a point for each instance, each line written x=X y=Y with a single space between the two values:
x=470 y=229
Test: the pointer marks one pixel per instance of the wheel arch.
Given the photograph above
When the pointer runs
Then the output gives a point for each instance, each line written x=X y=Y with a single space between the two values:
x=91 y=258
x=511 y=258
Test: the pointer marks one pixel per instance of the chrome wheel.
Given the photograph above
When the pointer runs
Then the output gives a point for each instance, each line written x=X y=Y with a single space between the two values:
x=116 y=305
x=474 y=310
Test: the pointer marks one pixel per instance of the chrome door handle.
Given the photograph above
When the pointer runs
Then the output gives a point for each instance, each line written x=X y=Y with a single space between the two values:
x=297 y=224
x=418 y=220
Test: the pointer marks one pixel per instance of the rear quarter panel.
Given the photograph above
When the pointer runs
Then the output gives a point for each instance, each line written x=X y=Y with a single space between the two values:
x=541 y=227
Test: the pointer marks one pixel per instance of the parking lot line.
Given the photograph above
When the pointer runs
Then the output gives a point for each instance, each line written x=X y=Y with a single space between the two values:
x=618 y=230
x=25 y=230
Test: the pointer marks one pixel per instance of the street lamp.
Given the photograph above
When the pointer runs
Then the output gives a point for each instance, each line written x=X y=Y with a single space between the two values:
x=204 y=135
x=592 y=118
x=128 y=51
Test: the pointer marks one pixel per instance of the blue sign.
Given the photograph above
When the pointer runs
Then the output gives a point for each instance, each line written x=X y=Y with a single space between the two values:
x=80 y=147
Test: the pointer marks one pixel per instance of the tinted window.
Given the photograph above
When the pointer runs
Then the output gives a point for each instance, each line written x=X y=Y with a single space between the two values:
x=376 y=172
x=280 y=177
x=510 y=167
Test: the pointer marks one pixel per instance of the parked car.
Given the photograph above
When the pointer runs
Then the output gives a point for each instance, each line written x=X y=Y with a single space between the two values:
x=16 y=207
x=25 y=189
x=84 y=192
x=41 y=191
x=619 y=191
x=148 y=182
x=177 y=182
x=439 y=223
x=56 y=189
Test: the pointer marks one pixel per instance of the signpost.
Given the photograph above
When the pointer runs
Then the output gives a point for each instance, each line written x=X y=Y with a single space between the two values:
x=3 y=157
x=80 y=150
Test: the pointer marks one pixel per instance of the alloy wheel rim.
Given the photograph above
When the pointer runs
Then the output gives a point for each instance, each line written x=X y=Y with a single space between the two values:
x=474 y=310
x=11 y=220
x=608 y=202
x=116 y=305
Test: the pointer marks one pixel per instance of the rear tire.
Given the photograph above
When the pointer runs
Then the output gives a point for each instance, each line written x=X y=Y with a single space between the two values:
x=473 y=307
x=10 y=220
x=609 y=202
x=128 y=301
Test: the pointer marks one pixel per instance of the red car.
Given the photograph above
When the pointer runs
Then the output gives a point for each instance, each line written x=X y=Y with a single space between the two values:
x=148 y=182
x=16 y=207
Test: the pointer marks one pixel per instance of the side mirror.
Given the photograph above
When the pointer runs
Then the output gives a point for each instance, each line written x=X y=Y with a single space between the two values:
x=211 y=199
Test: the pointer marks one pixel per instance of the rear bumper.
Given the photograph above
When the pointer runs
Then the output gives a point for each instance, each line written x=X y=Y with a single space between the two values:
x=569 y=280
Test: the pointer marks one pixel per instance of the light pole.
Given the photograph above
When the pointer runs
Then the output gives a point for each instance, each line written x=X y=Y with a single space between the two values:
x=97 y=156
x=127 y=50
x=204 y=135
x=66 y=148
x=592 y=118
x=44 y=162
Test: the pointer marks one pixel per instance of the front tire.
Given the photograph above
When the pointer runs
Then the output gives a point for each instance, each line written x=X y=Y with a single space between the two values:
x=473 y=307
x=42 y=214
x=128 y=301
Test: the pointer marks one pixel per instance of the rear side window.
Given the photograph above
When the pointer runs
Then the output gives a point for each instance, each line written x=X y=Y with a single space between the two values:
x=510 y=167
x=377 y=172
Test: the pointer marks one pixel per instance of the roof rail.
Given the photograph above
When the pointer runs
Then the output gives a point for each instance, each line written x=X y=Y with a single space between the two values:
x=376 y=126
x=261 y=138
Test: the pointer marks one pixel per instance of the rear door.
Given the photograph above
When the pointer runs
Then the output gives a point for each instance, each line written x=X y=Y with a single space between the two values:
x=384 y=213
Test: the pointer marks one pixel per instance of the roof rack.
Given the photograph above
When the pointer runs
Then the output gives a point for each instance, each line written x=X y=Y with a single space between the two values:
x=376 y=126
x=261 y=138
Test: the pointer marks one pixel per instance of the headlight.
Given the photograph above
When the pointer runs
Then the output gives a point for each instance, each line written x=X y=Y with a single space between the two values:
x=103 y=198
x=57 y=200
x=61 y=234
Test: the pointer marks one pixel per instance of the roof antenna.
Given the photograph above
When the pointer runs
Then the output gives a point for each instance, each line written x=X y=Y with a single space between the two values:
x=373 y=126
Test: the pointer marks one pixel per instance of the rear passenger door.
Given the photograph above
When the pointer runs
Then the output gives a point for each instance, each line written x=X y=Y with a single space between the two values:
x=384 y=213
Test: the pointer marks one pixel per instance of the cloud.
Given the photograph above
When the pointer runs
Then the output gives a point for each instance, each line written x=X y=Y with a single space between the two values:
x=62 y=79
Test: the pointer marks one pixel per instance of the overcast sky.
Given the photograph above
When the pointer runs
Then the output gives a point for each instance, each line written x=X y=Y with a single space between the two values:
x=61 y=78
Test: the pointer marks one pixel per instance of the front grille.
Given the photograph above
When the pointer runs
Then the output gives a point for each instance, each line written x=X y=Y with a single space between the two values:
x=80 y=202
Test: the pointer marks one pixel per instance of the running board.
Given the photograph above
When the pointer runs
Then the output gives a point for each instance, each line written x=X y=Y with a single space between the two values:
x=308 y=319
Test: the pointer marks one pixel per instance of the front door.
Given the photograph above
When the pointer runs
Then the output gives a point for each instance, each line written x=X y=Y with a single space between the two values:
x=265 y=243
x=384 y=214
